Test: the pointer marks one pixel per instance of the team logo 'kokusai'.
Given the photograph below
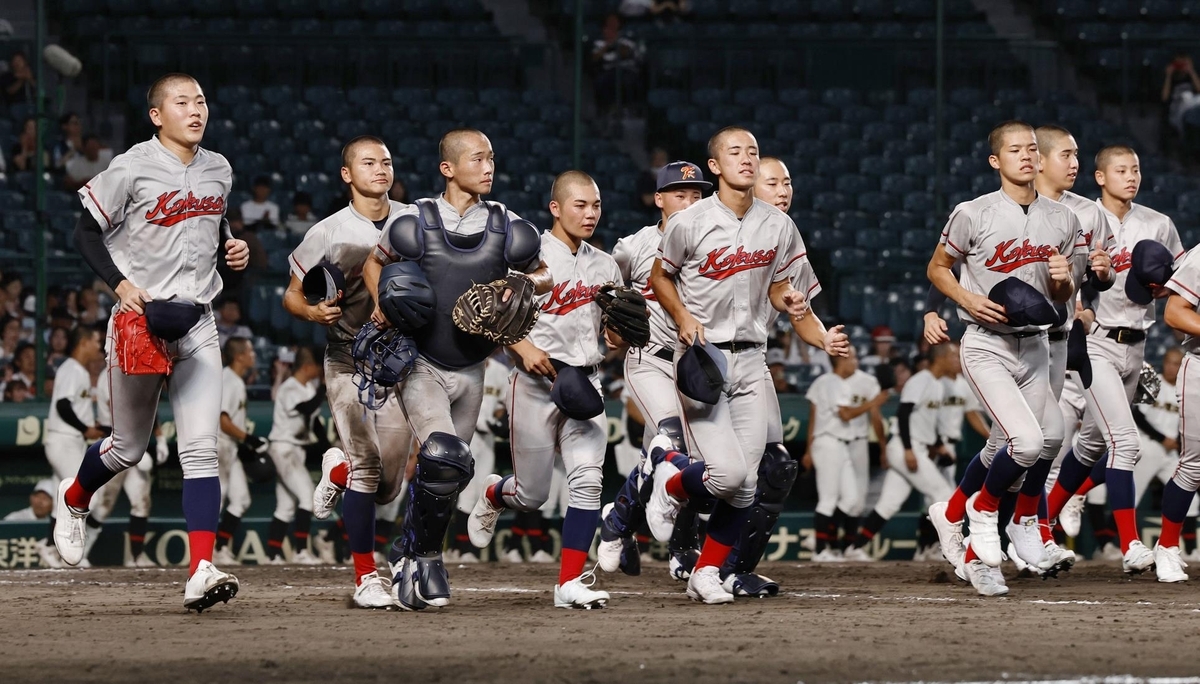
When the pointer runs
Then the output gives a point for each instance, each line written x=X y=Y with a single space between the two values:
x=1122 y=260
x=169 y=211
x=563 y=301
x=1009 y=257
x=719 y=265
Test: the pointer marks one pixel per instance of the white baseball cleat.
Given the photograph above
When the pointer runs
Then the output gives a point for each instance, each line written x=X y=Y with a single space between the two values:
x=1063 y=558
x=608 y=553
x=705 y=586
x=303 y=557
x=986 y=579
x=1071 y=516
x=208 y=586
x=468 y=557
x=141 y=561
x=541 y=557
x=950 y=536
x=578 y=593
x=47 y=555
x=828 y=555
x=1137 y=559
x=512 y=556
x=327 y=494
x=857 y=555
x=70 y=527
x=481 y=525
x=1017 y=561
x=1026 y=542
x=273 y=560
x=224 y=556
x=662 y=509
x=375 y=593
x=325 y=547
x=1168 y=564
x=1109 y=552
x=985 y=533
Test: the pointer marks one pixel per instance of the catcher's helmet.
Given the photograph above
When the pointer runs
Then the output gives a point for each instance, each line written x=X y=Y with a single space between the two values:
x=382 y=359
x=405 y=296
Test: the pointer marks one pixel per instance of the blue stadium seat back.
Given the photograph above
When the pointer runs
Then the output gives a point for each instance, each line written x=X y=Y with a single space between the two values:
x=454 y=97
x=352 y=128
x=312 y=182
x=876 y=202
x=852 y=221
x=920 y=132
x=919 y=165
x=847 y=259
x=815 y=114
x=879 y=132
x=830 y=202
x=854 y=148
x=838 y=131
x=859 y=115
x=265 y=129
x=498 y=97
x=1119 y=10
x=708 y=97
x=365 y=96
x=918 y=201
x=853 y=184
x=57 y=200
x=794 y=131
x=903 y=114
x=550 y=146
x=967 y=130
x=899 y=184
x=322 y=146
x=666 y=98
x=1076 y=9
x=320 y=94
x=841 y=97
x=18 y=221
x=753 y=97
x=968 y=97
x=293 y=164
x=926 y=98
x=989 y=114
x=850 y=300
x=794 y=97
x=1163 y=10
x=11 y=200
x=918 y=239
x=772 y=114
x=1158 y=201
x=1189 y=203
x=832 y=166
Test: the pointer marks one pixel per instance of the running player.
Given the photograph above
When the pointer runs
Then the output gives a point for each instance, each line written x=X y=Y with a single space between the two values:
x=296 y=400
x=152 y=232
x=235 y=488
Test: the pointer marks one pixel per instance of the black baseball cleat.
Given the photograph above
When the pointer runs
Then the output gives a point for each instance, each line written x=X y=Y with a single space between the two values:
x=749 y=584
x=208 y=587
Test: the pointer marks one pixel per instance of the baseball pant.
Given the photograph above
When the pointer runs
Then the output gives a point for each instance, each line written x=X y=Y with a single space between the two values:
x=293 y=484
x=1071 y=405
x=1011 y=378
x=235 y=488
x=377 y=443
x=651 y=383
x=135 y=482
x=437 y=399
x=1108 y=422
x=1187 y=475
x=730 y=436
x=774 y=415
x=837 y=486
x=64 y=451
x=899 y=481
x=539 y=432
x=483 y=449
x=195 y=402
x=556 y=504
x=1156 y=463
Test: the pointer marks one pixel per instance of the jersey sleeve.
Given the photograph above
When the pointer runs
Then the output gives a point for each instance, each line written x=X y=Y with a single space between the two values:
x=229 y=398
x=673 y=250
x=792 y=256
x=69 y=386
x=310 y=252
x=106 y=195
x=1073 y=241
x=288 y=397
x=1173 y=243
x=959 y=233
x=914 y=389
x=816 y=392
x=623 y=254
x=1186 y=281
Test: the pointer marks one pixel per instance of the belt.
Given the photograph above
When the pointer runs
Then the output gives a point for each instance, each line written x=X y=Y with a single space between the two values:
x=1057 y=335
x=1126 y=335
x=736 y=347
x=587 y=370
x=665 y=354
x=1020 y=334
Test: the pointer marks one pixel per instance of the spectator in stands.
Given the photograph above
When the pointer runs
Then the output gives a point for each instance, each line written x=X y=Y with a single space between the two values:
x=10 y=339
x=648 y=180
x=41 y=503
x=16 y=392
x=399 y=191
x=69 y=144
x=775 y=364
x=229 y=322
x=84 y=166
x=301 y=218
x=260 y=208
x=1181 y=89
x=25 y=364
x=12 y=287
x=901 y=371
x=57 y=352
x=662 y=9
x=617 y=61
x=24 y=151
x=882 y=349
x=17 y=84
x=90 y=311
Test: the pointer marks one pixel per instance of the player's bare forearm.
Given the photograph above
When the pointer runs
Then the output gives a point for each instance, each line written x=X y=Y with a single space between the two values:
x=230 y=429
x=1181 y=316
x=295 y=303
x=543 y=282
x=812 y=421
x=668 y=296
x=811 y=330
x=531 y=359
x=877 y=425
x=978 y=424
x=1062 y=290
x=942 y=277
x=372 y=267
x=849 y=413
x=786 y=299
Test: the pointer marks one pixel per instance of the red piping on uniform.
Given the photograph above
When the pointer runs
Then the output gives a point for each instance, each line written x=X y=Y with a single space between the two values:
x=101 y=209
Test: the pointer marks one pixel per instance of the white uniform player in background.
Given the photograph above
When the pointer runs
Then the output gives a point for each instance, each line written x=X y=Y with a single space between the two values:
x=567 y=333
x=152 y=232
x=235 y=488
x=722 y=261
x=298 y=399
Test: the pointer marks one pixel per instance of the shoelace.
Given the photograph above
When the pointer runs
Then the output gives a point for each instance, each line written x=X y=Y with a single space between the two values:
x=588 y=579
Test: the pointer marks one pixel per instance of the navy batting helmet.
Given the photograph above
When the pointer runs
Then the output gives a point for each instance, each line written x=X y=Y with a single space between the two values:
x=405 y=296
x=382 y=359
x=324 y=283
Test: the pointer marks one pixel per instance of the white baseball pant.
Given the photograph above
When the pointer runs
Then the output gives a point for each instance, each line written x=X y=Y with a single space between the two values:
x=651 y=382
x=235 y=488
x=1108 y=422
x=483 y=449
x=899 y=481
x=837 y=485
x=293 y=483
x=1011 y=378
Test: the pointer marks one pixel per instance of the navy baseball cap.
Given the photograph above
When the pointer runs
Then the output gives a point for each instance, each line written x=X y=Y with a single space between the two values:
x=1151 y=266
x=1077 y=354
x=1023 y=304
x=681 y=174
x=700 y=375
x=574 y=394
x=323 y=283
x=172 y=320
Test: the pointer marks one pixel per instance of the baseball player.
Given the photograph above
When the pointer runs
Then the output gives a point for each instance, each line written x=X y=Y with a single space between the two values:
x=1116 y=346
x=1010 y=234
x=298 y=398
x=235 y=488
x=1182 y=316
x=455 y=240
x=650 y=378
x=370 y=466
x=916 y=454
x=151 y=231
x=722 y=261
x=565 y=335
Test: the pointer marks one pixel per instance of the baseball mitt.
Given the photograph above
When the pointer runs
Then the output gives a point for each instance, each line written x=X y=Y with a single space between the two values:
x=623 y=310
x=139 y=351
x=484 y=310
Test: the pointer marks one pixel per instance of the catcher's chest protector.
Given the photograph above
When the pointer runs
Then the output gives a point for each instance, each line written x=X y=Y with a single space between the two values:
x=451 y=271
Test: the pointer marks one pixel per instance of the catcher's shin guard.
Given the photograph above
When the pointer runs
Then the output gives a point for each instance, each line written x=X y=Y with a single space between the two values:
x=776 y=475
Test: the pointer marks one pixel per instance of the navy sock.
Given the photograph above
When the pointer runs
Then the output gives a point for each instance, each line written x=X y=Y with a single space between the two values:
x=1072 y=473
x=693 y=482
x=1035 y=477
x=1121 y=491
x=726 y=522
x=579 y=528
x=1008 y=505
x=358 y=512
x=974 y=475
x=1003 y=473
x=1175 y=502
x=93 y=474
x=201 y=503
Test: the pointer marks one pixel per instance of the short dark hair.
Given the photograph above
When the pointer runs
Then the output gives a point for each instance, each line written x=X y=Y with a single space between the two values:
x=90 y=136
x=234 y=347
x=157 y=91
x=348 y=148
x=66 y=118
x=261 y=180
x=996 y=137
x=1049 y=136
x=714 y=143
x=78 y=335
x=1107 y=152
x=301 y=197
x=450 y=146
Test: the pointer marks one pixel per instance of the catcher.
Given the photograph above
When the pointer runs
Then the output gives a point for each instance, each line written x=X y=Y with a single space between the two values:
x=482 y=266
x=555 y=406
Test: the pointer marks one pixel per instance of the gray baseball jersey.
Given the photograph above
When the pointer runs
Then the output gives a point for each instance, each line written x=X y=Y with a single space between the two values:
x=1186 y=284
x=73 y=383
x=726 y=265
x=345 y=240
x=162 y=218
x=996 y=239
x=1114 y=310
x=635 y=255
x=1094 y=234
x=1163 y=414
x=569 y=321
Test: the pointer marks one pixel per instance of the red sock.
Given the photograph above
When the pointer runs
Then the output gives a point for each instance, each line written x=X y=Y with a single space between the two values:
x=1170 y=533
x=970 y=555
x=364 y=564
x=1027 y=505
x=78 y=497
x=1057 y=499
x=495 y=495
x=340 y=475
x=986 y=502
x=956 y=507
x=1126 y=527
x=675 y=487
x=1087 y=486
x=713 y=553
x=1044 y=528
x=200 y=547
x=571 y=565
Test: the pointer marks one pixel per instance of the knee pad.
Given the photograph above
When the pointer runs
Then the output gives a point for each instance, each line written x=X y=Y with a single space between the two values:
x=777 y=473
x=673 y=427
x=444 y=464
x=628 y=513
x=444 y=468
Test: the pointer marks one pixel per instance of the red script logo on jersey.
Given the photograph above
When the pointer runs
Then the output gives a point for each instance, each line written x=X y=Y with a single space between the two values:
x=168 y=212
x=1122 y=260
x=1009 y=258
x=563 y=301
x=720 y=266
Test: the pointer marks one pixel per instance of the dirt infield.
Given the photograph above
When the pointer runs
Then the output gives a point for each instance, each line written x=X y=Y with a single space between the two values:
x=885 y=621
